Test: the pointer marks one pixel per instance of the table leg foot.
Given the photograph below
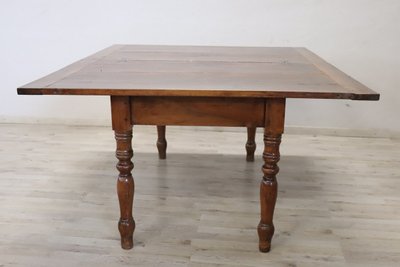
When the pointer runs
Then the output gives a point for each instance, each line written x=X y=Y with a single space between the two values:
x=126 y=229
x=265 y=233
x=161 y=142
x=250 y=144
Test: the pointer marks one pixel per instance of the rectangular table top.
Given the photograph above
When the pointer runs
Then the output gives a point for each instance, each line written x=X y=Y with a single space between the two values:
x=158 y=70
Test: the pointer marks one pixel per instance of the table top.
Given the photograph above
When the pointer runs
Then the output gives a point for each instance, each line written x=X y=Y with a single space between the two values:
x=158 y=70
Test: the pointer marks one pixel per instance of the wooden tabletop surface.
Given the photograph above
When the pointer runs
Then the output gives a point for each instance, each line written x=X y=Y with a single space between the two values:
x=148 y=70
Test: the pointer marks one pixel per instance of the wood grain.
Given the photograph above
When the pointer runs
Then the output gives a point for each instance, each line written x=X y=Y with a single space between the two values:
x=137 y=70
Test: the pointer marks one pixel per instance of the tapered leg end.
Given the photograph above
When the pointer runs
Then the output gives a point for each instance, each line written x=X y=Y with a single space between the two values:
x=126 y=229
x=264 y=247
x=265 y=233
x=250 y=158
x=162 y=150
x=127 y=242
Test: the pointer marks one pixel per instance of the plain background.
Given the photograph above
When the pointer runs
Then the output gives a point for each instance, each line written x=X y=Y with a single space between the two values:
x=360 y=37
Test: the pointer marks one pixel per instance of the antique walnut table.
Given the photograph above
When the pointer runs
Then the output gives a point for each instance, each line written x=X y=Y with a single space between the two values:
x=200 y=86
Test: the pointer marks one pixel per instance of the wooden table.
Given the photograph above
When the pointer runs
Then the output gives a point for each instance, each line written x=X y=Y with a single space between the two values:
x=200 y=86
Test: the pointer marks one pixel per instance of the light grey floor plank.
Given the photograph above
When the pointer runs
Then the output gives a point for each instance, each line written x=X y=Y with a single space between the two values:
x=338 y=202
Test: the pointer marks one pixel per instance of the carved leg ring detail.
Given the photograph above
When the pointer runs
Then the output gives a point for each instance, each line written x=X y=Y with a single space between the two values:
x=125 y=187
x=268 y=190
x=250 y=144
x=161 y=142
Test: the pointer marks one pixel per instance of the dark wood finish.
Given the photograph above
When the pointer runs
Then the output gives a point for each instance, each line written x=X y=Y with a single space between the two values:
x=121 y=122
x=161 y=142
x=274 y=125
x=198 y=111
x=251 y=143
x=201 y=86
x=144 y=70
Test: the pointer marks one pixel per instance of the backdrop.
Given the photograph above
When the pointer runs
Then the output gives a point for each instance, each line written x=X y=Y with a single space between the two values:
x=360 y=37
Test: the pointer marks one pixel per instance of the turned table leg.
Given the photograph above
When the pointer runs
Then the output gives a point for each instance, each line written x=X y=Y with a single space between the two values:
x=161 y=142
x=251 y=143
x=274 y=124
x=121 y=121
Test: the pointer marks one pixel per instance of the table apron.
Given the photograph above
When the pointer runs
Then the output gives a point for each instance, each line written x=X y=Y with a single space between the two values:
x=198 y=111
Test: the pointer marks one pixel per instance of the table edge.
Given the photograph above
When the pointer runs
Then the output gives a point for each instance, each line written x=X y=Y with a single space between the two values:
x=195 y=93
x=345 y=81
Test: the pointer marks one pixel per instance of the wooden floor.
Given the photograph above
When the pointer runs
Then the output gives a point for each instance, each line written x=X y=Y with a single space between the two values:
x=338 y=202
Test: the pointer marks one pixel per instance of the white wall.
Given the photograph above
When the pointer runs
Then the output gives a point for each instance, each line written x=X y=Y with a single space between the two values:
x=361 y=37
